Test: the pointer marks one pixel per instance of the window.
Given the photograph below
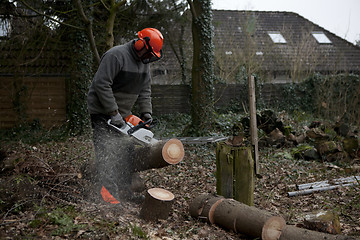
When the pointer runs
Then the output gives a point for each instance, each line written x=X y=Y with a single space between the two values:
x=321 y=37
x=158 y=72
x=4 y=27
x=276 y=37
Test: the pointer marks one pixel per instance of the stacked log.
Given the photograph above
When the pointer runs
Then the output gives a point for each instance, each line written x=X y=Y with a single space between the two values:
x=241 y=218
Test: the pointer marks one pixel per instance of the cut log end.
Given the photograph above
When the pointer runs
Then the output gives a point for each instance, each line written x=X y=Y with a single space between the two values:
x=212 y=210
x=161 y=194
x=272 y=228
x=173 y=151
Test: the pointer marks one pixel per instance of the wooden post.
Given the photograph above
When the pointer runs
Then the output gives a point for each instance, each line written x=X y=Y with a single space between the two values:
x=235 y=173
x=253 y=125
x=224 y=170
x=244 y=176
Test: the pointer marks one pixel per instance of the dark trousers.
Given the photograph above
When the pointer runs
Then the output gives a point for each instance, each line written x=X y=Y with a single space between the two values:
x=113 y=152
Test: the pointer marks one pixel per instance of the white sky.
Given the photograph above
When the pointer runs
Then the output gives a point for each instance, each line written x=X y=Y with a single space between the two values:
x=341 y=17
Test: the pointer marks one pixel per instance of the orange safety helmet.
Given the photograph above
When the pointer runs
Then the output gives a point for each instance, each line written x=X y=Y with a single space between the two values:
x=152 y=40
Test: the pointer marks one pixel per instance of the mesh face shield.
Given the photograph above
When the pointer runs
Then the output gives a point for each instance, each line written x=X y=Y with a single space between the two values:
x=150 y=55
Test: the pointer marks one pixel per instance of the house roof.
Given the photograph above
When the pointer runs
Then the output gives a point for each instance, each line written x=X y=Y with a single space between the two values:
x=247 y=33
x=242 y=37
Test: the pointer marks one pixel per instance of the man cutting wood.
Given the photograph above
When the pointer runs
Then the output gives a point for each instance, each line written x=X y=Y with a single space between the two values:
x=123 y=78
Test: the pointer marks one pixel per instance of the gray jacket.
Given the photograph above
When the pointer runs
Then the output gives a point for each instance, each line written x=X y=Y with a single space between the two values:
x=120 y=81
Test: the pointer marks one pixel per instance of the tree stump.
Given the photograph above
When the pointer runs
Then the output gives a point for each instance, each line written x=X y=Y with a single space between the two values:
x=157 y=204
x=235 y=173
x=323 y=221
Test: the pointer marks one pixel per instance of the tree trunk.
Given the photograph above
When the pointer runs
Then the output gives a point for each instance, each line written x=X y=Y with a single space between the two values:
x=157 y=204
x=158 y=155
x=202 y=106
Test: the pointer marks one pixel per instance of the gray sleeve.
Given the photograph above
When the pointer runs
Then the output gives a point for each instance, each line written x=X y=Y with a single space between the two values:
x=103 y=80
x=144 y=99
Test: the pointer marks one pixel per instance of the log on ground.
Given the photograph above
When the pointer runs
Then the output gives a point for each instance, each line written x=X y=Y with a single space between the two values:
x=158 y=155
x=241 y=218
x=291 y=232
x=157 y=204
x=196 y=206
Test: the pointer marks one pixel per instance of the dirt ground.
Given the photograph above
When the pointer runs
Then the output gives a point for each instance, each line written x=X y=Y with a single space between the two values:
x=44 y=197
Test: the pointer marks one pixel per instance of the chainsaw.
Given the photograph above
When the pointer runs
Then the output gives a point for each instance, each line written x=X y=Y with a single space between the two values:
x=137 y=128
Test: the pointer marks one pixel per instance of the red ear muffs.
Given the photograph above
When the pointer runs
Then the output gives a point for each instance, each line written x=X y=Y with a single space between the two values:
x=140 y=44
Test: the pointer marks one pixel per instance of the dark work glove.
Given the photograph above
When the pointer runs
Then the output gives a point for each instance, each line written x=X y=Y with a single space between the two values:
x=117 y=120
x=146 y=116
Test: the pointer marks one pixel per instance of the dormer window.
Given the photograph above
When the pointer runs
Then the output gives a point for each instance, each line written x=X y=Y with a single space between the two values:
x=4 y=27
x=321 y=38
x=276 y=37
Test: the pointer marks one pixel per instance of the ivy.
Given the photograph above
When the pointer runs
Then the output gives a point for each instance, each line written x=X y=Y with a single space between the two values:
x=203 y=72
x=77 y=84
x=333 y=97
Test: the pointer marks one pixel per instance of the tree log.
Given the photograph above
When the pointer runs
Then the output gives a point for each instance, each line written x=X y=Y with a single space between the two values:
x=241 y=218
x=197 y=205
x=291 y=232
x=236 y=216
x=157 y=204
x=158 y=155
x=208 y=209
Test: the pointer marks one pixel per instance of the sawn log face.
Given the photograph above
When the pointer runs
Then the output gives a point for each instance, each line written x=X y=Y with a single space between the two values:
x=158 y=155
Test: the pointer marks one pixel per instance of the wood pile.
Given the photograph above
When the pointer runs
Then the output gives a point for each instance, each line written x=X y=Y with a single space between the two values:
x=317 y=141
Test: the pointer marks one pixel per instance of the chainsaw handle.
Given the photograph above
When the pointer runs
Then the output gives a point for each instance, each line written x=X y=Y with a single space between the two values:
x=140 y=125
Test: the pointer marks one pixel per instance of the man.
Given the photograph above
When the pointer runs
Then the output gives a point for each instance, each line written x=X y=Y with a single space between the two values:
x=123 y=78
